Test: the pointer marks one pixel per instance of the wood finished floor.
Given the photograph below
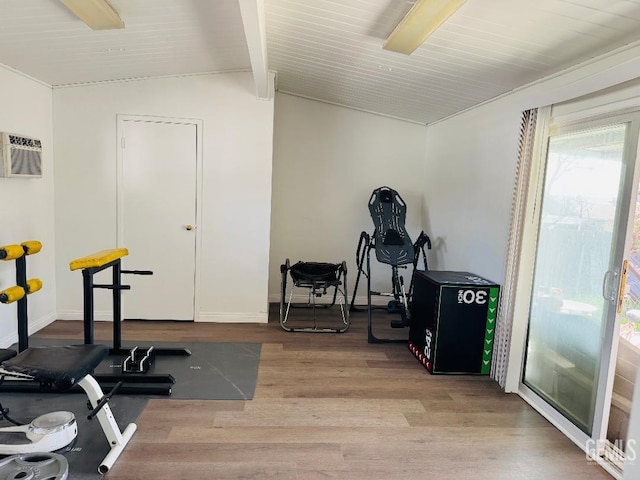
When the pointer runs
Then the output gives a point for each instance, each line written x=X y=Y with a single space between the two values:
x=332 y=406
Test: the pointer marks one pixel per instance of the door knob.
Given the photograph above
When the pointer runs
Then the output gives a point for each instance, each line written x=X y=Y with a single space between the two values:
x=189 y=227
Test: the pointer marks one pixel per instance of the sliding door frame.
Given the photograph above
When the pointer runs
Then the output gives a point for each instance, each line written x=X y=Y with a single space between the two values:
x=547 y=126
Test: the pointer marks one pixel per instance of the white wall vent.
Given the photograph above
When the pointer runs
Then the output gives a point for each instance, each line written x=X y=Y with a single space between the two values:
x=21 y=156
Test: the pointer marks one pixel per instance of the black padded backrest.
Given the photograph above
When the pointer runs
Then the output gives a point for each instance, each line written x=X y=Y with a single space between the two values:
x=61 y=367
x=388 y=212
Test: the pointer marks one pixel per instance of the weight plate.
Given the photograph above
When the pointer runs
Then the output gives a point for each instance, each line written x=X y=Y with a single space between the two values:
x=34 y=466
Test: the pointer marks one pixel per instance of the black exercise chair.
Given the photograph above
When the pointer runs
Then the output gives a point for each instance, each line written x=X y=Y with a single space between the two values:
x=318 y=279
x=393 y=246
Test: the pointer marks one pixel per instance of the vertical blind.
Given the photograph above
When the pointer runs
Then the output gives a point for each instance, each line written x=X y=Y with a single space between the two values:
x=505 y=310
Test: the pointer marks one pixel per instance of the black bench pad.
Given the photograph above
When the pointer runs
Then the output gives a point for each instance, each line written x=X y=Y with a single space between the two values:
x=61 y=367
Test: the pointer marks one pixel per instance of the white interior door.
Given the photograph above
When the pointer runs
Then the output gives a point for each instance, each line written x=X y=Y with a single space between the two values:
x=157 y=217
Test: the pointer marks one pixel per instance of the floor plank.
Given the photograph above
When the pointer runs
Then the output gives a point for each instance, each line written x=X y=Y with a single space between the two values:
x=332 y=406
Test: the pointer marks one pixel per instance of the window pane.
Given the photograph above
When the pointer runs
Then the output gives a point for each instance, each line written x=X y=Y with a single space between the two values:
x=576 y=238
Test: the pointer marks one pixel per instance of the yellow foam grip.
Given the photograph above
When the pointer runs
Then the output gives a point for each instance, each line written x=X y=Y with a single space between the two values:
x=31 y=247
x=11 y=294
x=11 y=252
x=98 y=259
x=33 y=285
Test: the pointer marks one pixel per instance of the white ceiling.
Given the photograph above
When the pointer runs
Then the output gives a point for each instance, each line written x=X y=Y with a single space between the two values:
x=330 y=50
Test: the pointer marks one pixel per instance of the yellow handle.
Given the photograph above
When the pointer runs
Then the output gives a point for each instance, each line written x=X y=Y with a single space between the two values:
x=11 y=294
x=11 y=252
x=31 y=247
x=33 y=285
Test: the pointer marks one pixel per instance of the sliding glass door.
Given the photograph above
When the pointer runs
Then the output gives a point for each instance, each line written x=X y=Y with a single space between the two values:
x=582 y=229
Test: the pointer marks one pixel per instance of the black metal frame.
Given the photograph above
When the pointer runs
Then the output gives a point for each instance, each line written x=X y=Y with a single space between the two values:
x=316 y=288
x=116 y=287
x=393 y=247
x=154 y=384
x=22 y=304
x=401 y=298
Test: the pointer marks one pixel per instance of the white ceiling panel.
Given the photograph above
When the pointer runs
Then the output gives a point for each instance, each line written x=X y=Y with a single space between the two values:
x=330 y=50
x=488 y=47
x=161 y=37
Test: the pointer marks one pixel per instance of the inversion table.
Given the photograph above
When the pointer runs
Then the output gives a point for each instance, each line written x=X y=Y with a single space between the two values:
x=393 y=246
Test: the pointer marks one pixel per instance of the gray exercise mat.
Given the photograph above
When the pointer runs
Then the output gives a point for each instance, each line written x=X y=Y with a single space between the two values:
x=214 y=371
x=91 y=445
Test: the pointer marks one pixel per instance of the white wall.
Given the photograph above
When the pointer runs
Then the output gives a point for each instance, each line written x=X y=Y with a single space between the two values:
x=327 y=161
x=468 y=186
x=471 y=164
x=26 y=211
x=237 y=151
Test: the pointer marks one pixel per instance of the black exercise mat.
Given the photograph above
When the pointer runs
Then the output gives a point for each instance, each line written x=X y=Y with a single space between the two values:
x=214 y=371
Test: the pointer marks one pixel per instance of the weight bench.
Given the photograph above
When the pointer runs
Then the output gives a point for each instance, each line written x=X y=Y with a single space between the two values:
x=61 y=369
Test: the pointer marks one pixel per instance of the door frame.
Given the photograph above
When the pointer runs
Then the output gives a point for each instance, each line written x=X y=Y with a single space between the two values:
x=549 y=126
x=199 y=124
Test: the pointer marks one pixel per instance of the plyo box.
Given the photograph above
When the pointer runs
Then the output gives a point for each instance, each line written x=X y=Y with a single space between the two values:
x=453 y=319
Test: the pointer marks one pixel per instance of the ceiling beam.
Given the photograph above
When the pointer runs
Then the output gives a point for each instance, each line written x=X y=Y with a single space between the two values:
x=252 y=12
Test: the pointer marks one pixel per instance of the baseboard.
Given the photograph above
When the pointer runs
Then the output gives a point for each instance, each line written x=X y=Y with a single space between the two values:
x=211 y=317
x=79 y=315
x=232 y=317
x=41 y=323
x=360 y=300
x=34 y=326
